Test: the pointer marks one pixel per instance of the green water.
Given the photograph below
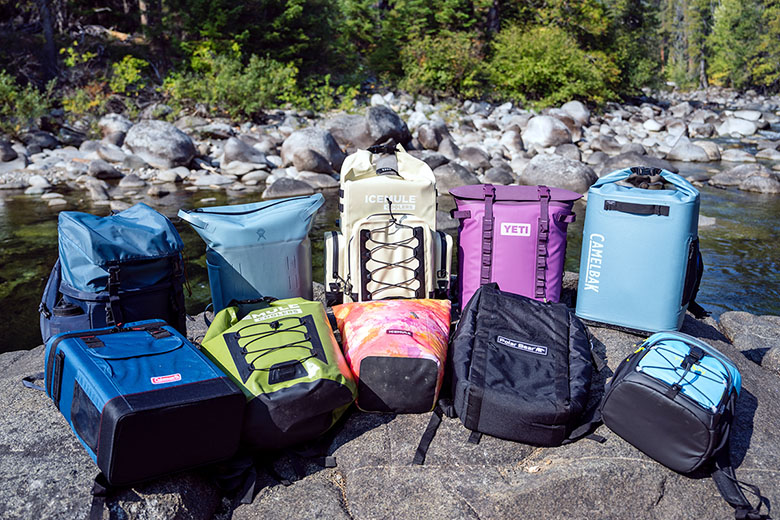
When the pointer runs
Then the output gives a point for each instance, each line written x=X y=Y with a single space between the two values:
x=741 y=252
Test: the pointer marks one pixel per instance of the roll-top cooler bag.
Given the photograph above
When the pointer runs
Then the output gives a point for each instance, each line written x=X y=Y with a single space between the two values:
x=142 y=400
x=397 y=351
x=120 y=268
x=283 y=355
x=257 y=249
x=512 y=235
x=640 y=265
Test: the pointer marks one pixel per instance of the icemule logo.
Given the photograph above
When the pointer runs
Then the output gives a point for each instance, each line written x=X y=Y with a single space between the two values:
x=593 y=268
x=515 y=229
x=400 y=202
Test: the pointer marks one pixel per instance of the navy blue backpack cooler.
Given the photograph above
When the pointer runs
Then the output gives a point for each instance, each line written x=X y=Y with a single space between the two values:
x=116 y=269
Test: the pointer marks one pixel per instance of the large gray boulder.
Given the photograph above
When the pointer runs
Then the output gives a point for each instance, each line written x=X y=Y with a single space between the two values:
x=753 y=335
x=738 y=174
x=160 y=144
x=686 y=151
x=114 y=124
x=350 y=131
x=476 y=157
x=578 y=111
x=7 y=153
x=385 y=125
x=431 y=134
x=545 y=131
x=316 y=139
x=287 y=187
x=760 y=184
x=627 y=160
x=558 y=171
x=735 y=125
x=452 y=175
x=237 y=150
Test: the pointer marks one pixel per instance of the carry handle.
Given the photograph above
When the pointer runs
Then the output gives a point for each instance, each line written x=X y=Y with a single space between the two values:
x=672 y=178
x=360 y=165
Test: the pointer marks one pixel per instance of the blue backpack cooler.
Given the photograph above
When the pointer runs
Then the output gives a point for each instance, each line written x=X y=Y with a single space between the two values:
x=640 y=266
x=112 y=270
x=675 y=398
x=142 y=400
x=257 y=249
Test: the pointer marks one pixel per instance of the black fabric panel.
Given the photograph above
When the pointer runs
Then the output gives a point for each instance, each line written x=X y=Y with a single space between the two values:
x=460 y=353
x=670 y=431
x=397 y=384
x=150 y=434
x=293 y=415
x=580 y=365
x=85 y=417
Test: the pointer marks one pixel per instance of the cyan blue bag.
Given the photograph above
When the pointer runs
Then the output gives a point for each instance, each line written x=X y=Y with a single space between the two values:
x=124 y=267
x=257 y=249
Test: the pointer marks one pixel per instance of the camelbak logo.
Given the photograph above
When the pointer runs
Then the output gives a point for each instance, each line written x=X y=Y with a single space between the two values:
x=400 y=202
x=533 y=349
x=512 y=229
x=274 y=313
x=593 y=268
x=170 y=378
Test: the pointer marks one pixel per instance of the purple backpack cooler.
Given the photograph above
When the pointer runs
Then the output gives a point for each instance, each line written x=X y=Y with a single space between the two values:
x=512 y=235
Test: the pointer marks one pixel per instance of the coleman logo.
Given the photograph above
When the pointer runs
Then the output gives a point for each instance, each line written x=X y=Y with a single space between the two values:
x=593 y=267
x=525 y=347
x=170 y=378
x=400 y=202
x=400 y=332
x=512 y=229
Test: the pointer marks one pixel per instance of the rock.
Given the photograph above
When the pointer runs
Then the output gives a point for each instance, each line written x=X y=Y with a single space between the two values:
x=237 y=150
x=452 y=175
x=157 y=191
x=319 y=181
x=675 y=127
x=309 y=160
x=700 y=129
x=133 y=162
x=633 y=148
x=735 y=125
x=578 y=111
x=102 y=170
x=431 y=134
x=736 y=175
x=119 y=205
x=760 y=184
x=114 y=124
x=651 y=125
x=432 y=159
x=160 y=144
x=7 y=153
x=545 y=131
x=384 y=125
x=240 y=169
x=111 y=153
x=255 y=177
x=51 y=195
x=605 y=143
x=35 y=190
x=711 y=147
x=55 y=203
x=131 y=182
x=377 y=100
x=749 y=115
x=771 y=360
x=736 y=155
x=350 y=131
x=706 y=221
x=155 y=111
x=513 y=141
x=476 y=157
x=315 y=139
x=768 y=154
x=627 y=160
x=681 y=110
x=597 y=158
x=173 y=175
x=287 y=188
x=753 y=335
x=97 y=189
x=40 y=139
x=575 y=129
x=213 y=180
x=569 y=151
x=38 y=181
x=686 y=151
x=449 y=149
x=499 y=176
x=214 y=131
x=558 y=171
x=445 y=222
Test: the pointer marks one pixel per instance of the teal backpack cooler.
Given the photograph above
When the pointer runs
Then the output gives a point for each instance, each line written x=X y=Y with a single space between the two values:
x=640 y=266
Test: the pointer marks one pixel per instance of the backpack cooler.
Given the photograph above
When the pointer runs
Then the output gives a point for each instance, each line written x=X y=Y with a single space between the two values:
x=388 y=246
x=142 y=400
x=124 y=267
x=640 y=266
x=512 y=235
x=397 y=350
x=285 y=359
x=674 y=398
x=257 y=249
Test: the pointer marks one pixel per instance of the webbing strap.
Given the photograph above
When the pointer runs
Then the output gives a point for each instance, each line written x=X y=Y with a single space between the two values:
x=100 y=490
x=731 y=489
x=114 y=309
x=541 y=242
x=487 y=235
x=638 y=209
x=427 y=436
x=28 y=381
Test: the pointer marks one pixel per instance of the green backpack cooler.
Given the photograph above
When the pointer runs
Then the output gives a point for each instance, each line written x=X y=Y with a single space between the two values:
x=285 y=359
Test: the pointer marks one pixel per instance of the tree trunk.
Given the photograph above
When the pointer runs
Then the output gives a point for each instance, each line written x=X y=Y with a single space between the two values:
x=703 y=83
x=49 y=59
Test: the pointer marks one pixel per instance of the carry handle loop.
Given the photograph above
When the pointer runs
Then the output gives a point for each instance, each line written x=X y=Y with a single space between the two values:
x=672 y=178
x=388 y=148
x=487 y=235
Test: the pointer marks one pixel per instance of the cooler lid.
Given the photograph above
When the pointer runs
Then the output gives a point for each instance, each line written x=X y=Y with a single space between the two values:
x=513 y=193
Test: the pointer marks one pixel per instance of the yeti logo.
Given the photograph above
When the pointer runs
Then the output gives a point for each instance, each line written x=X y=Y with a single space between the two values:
x=515 y=229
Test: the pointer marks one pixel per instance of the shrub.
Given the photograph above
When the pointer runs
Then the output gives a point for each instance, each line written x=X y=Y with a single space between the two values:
x=126 y=77
x=21 y=106
x=545 y=65
x=89 y=99
x=449 y=64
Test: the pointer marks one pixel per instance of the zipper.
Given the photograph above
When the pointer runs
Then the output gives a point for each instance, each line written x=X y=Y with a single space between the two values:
x=441 y=273
x=247 y=212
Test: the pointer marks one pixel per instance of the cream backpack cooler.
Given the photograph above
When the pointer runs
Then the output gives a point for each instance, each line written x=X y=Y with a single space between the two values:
x=388 y=246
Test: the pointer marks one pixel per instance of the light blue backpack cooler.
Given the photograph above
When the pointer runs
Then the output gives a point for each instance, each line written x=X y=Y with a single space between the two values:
x=640 y=266
x=257 y=249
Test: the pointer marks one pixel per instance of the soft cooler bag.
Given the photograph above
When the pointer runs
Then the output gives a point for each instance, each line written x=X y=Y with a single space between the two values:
x=257 y=249
x=285 y=359
x=142 y=400
x=397 y=350
x=124 y=267
x=512 y=235
x=640 y=266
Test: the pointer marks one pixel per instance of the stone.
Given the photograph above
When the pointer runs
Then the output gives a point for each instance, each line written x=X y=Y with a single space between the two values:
x=114 y=124
x=51 y=195
x=627 y=160
x=102 y=170
x=35 y=190
x=213 y=180
x=706 y=221
x=711 y=147
x=432 y=159
x=119 y=205
x=131 y=182
x=499 y=176
x=736 y=155
x=452 y=175
x=174 y=174
x=237 y=150
x=681 y=110
x=651 y=125
x=771 y=360
x=7 y=153
x=700 y=129
x=111 y=153
x=318 y=181
x=558 y=171
x=512 y=140
x=38 y=181
x=240 y=169
x=431 y=134
x=134 y=162
x=287 y=188
x=569 y=151
x=309 y=160
x=545 y=131
x=686 y=151
x=385 y=125
x=633 y=148
x=55 y=203
x=736 y=175
x=350 y=131
x=675 y=127
x=768 y=154
x=749 y=115
x=117 y=138
x=476 y=157
x=255 y=177
x=597 y=158
x=735 y=125
x=753 y=335
x=155 y=111
x=157 y=191
x=578 y=111
x=449 y=149
x=605 y=143
x=40 y=139
x=760 y=184
x=97 y=189
x=575 y=129
x=160 y=144
x=215 y=130
x=377 y=99
x=316 y=139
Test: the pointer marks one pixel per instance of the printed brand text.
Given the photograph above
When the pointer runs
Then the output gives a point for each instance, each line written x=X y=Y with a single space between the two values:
x=170 y=378
x=515 y=229
x=398 y=331
x=593 y=268
x=400 y=202
x=273 y=313
x=534 y=349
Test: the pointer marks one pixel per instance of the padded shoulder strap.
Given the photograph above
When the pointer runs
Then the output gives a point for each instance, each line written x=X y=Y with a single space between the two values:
x=731 y=489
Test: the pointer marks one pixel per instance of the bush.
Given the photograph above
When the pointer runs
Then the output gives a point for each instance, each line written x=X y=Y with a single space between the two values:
x=126 y=77
x=20 y=107
x=449 y=64
x=90 y=99
x=544 y=65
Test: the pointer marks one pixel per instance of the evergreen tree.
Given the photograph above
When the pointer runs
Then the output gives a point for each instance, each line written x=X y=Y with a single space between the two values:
x=734 y=42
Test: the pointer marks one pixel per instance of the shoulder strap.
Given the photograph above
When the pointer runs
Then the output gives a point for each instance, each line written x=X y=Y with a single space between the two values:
x=28 y=381
x=731 y=489
x=100 y=490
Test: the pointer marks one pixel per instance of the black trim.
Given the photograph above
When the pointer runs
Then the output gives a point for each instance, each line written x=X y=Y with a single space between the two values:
x=637 y=209
x=85 y=417
x=286 y=371
x=59 y=366
x=282 y=201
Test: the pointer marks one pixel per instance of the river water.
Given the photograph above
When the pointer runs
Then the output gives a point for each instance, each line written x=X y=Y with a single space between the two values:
x=741 y=251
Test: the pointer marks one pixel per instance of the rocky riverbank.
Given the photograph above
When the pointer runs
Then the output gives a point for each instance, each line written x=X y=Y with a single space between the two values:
x=45 y=473
x=468 y=142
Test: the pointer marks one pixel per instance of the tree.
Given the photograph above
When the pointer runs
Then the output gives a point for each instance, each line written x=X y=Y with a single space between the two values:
x=766 y=65
x=734 y=42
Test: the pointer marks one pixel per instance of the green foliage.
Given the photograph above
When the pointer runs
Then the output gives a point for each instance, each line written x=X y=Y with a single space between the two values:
x=126 y=77
x=634 y=44
x=766 y=65
x=544 y=65
x=734 y=42
x=450 y=64
x=89 y=99
x=74 y=56
x=20 y=107
x=323 y=96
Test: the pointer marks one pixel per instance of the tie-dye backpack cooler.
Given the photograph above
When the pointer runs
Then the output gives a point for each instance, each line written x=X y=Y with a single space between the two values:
x=396 y=350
